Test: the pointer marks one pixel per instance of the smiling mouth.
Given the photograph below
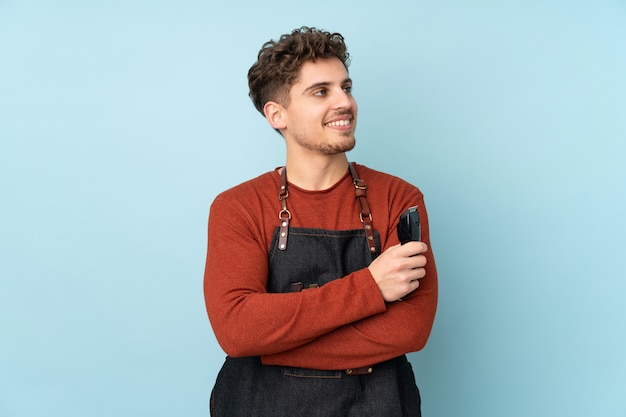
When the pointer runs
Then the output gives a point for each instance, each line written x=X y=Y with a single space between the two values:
x=339 y=123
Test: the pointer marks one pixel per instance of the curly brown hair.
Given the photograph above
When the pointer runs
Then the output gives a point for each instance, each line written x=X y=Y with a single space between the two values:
x=278 y=64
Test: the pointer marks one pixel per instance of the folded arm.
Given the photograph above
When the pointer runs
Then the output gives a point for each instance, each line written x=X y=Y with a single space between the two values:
x=247 y=320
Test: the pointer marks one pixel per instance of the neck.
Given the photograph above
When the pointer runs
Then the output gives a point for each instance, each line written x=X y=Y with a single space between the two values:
x=316 y=174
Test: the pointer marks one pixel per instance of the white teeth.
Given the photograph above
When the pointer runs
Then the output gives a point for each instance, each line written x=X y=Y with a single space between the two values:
x=338 y=123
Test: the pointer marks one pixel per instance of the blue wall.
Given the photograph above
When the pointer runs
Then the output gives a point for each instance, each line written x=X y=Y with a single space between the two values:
x=120 y=121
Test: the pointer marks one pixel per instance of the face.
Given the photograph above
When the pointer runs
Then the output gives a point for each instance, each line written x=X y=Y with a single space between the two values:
x=321 y=113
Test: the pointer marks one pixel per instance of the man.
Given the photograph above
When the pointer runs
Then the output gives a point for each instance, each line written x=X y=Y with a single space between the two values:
x=307 y=288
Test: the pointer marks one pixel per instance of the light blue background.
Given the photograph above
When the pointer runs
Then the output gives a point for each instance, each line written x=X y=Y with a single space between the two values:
x=121 y=120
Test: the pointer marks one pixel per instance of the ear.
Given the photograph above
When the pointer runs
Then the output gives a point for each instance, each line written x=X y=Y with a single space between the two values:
x=275 y=115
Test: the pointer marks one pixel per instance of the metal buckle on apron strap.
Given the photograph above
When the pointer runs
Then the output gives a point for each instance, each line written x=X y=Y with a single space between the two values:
x=364 y=370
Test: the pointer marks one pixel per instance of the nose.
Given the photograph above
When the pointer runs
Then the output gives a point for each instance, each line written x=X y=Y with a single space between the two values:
x=344 y=100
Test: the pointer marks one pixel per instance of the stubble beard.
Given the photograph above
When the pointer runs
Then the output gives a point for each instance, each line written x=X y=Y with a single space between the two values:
x=330 y=147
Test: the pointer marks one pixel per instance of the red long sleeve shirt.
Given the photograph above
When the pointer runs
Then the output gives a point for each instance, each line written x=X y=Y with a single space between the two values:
x=343 y=324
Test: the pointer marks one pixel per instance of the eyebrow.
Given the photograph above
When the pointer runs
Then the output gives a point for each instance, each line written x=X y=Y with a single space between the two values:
x=325 y=84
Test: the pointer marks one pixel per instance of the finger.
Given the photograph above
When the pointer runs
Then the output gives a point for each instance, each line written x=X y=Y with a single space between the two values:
x=413 y=248
x=416 y=261
x=413 y=285
x=417 y=274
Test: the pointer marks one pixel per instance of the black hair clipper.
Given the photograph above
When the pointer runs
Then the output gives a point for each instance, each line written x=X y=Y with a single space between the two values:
x=409 y=226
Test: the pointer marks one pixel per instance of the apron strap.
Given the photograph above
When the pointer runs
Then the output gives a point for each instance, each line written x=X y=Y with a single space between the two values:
x=366 y=214
x=284 y=215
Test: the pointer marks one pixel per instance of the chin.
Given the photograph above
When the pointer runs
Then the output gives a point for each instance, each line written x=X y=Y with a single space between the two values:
x=350 y=146
x=340 y=147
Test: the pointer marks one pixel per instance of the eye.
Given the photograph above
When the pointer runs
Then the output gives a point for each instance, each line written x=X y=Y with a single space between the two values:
x=321 y=92
x=348 y=89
